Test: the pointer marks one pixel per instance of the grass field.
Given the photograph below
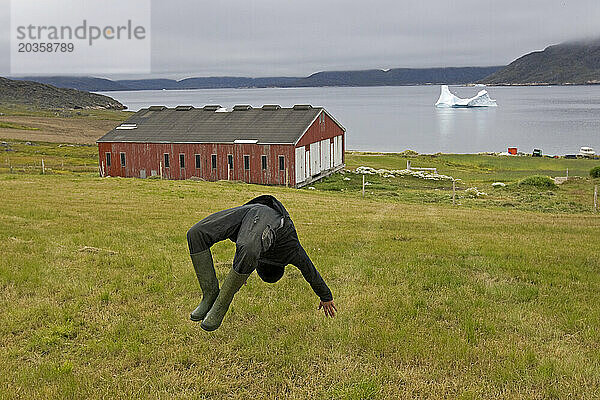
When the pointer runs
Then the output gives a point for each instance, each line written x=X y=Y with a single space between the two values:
x=480 y=300
x=470 y=170
x=18 y=122
x=473 y=171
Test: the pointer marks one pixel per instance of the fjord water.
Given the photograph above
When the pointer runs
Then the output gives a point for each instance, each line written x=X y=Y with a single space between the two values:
x=557 y=119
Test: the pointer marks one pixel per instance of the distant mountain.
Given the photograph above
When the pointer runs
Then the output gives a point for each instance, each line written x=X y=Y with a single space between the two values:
x=235 y=82
x=565 y=63
x=373 y=77
x=145 y=84
x=398 y=77
x=46 y=96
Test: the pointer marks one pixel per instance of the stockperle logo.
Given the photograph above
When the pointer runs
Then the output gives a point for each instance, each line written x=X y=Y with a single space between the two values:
x=80 y=36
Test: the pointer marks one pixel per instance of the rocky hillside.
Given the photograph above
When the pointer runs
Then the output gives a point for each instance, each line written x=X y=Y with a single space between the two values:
x=46 y=96
x=565 y=63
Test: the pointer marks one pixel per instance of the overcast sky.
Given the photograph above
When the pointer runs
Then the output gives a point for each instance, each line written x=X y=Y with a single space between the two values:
x=296 y=38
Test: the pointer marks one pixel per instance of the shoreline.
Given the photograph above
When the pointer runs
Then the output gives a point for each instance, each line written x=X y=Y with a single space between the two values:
x=536 y=84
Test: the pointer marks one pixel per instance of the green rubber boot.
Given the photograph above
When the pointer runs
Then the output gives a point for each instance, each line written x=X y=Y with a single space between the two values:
x=232 y=283
x=205 y=272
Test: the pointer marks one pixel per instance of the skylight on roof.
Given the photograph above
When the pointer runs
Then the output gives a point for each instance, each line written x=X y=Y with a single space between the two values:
x=242 y=107
x=302 y=107
x=271 y=107
x=127 y=126
x=245 y=141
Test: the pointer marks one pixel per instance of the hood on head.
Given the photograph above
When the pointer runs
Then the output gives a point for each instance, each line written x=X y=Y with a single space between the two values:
x=270 y=273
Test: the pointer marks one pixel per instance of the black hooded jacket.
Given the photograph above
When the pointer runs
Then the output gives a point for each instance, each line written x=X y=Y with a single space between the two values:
x=287 y=249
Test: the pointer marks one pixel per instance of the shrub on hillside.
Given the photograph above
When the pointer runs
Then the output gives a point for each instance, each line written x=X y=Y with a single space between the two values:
x=595 y=172
x=539 y=181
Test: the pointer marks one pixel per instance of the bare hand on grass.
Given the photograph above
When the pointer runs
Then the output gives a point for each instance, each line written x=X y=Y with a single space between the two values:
x=328 y=307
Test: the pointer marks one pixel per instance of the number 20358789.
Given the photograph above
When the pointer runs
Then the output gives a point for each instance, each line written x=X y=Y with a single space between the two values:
x=35 y=47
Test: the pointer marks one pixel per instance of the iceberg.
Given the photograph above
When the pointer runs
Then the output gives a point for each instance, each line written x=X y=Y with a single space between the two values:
x=447 y=99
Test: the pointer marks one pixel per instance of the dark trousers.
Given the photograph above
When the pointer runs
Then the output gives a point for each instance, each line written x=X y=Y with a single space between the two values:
x=251 y=227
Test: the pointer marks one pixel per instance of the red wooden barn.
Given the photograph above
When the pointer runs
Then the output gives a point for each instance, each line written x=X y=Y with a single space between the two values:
x=270 y=145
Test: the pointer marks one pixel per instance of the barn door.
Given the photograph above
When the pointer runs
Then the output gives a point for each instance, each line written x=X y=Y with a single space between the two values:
x=340 y=150
x=299 y=165
x=335 y=151
x=325 y=154
x=307 y=164
x=315 y=159
x=332 y=153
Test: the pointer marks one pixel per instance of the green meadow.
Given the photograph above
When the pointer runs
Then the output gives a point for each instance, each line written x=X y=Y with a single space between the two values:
x=490 y=297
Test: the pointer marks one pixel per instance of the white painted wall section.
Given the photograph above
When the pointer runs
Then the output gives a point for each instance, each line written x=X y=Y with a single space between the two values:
x=307 y=164
x=315 y=158
x=325 y=151
x=300 y=165
x=338 y=150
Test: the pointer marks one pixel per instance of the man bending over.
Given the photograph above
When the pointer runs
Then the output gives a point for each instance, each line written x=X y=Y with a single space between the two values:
x=265 y=239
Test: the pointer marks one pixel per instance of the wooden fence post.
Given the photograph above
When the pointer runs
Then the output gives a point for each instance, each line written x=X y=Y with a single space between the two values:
x=453 y=192
x=408 y=165
x=595 y=198
x=43 y=167
x=363 y=187
x=286 y=178
x=160 y=168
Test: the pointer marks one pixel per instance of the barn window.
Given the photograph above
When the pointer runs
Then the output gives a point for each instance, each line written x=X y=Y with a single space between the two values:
x=122 y=159
x=281 y=163
x=264 y=162
x=167 y=165
x=230 y=161
x=213 y=161
x=108 y=159
x=197 y=156
x=246 y=162
x=182 y=161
